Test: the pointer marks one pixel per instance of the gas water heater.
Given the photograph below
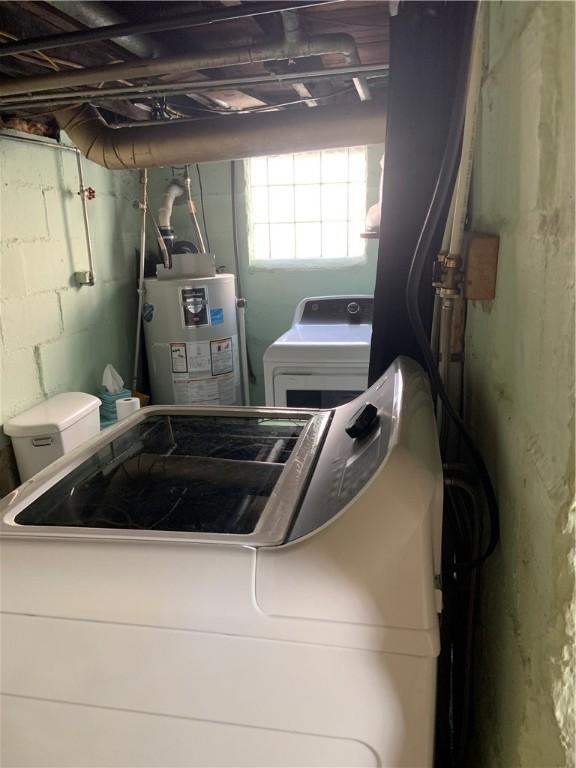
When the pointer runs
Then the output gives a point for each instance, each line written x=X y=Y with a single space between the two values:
x=191 y=332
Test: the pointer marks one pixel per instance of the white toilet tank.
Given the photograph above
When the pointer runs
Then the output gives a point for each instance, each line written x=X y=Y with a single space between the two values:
x=48 y=430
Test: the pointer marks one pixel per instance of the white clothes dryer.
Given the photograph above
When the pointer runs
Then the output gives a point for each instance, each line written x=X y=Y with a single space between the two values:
x=322 y=360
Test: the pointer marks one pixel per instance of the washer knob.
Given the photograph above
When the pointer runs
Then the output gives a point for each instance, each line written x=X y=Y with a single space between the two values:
x=353 y=308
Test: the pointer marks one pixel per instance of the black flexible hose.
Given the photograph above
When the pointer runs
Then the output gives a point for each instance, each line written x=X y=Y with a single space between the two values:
x=419 y=259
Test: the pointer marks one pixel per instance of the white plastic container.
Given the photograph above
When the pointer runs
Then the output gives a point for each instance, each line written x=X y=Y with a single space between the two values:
x=49 y=430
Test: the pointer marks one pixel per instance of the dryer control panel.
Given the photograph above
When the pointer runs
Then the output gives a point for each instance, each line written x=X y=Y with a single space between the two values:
x=326 y=310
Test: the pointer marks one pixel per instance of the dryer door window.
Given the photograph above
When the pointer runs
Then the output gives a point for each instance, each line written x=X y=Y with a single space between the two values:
x=322 y=391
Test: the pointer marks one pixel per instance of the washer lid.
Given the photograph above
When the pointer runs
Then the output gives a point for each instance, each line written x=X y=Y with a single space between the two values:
x=170 y=473
x=53 y=415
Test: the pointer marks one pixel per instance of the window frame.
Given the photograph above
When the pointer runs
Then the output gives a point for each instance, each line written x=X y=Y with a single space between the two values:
x=313 y=262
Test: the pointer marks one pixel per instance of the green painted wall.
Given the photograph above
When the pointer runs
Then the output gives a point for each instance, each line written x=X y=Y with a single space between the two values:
x=56 y=336
x=272 y=294
x=520 y=386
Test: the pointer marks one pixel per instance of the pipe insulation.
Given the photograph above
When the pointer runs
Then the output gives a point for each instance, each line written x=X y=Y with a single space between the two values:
x=225 y=138
x=182 y=65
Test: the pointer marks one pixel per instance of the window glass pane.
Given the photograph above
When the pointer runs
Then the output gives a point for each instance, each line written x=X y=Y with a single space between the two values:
x=259 y=204
x=260 y=242
x=307 y=203
x=335 y=165
x=258 y=171
x=334 y=241
x=282 y=241
x=356 y=245
x=307 y=168
x=309 y=241
x=357 y=164
x=334 y=202
x=281 y=202
x=357 y=202
x=280 y=169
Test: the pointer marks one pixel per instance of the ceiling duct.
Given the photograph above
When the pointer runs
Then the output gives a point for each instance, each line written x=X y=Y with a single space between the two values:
x=98 y=14
x=229 y=138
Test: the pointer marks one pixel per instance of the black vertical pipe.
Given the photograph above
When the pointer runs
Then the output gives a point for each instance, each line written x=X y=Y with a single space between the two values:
x=426 y=40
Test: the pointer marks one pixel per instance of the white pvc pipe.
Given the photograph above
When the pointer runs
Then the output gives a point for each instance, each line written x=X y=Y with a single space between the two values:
x=435 y=329
x=444 y=351
x=449 y=222
x=173 y=191
x=454 y=231
x=241 y=306
x=468 y=137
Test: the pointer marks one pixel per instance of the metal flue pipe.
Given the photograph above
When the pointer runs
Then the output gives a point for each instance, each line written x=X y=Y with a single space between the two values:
x=225 y=138
x=181 y=65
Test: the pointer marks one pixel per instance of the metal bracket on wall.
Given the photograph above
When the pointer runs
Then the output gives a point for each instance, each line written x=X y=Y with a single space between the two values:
x=84 y=277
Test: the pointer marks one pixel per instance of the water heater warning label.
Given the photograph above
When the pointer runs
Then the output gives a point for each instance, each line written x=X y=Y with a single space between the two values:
x=179 y=361
x=204 y=371
x=221 y=352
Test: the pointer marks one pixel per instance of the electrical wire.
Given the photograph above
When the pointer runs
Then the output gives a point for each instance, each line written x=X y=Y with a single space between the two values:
x=433 y=219
x=202 y=204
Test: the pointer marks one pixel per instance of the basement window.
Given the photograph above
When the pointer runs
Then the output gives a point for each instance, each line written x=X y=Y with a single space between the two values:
x=308 y=206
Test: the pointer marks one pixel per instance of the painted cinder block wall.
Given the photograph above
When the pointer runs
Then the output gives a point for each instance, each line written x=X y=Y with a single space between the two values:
x=56 y=337
x=520 y=387
x=272 y=293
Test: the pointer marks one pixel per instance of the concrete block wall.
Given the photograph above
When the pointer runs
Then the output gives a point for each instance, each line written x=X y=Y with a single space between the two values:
x=56 y=336
x=520 y=388
x=272 y=293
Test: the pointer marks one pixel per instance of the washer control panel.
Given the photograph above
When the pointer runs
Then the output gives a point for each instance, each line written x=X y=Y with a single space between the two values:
x=336 y=309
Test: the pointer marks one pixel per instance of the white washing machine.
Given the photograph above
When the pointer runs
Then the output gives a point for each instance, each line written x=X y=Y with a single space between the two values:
x=322 y=360
x=230 y=586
